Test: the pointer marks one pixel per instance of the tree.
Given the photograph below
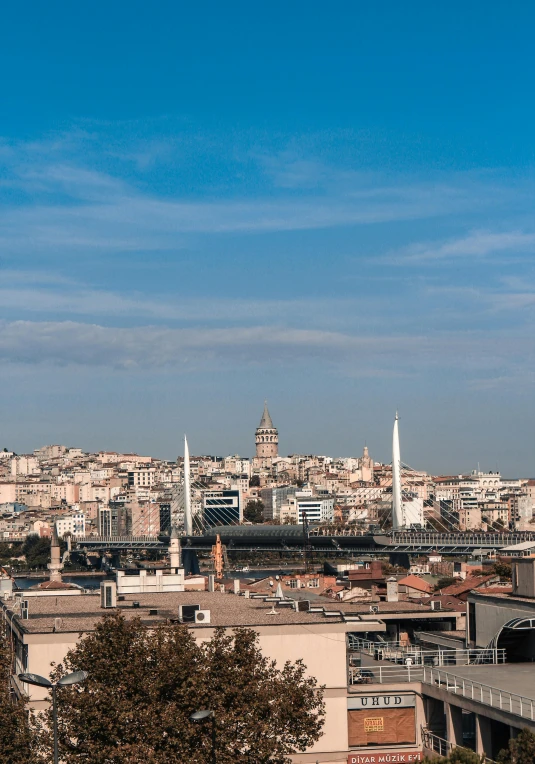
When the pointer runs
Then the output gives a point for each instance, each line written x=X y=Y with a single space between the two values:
x=521 y=749
x=254 y=511
x=254 y=482
x=37 y=551
x=143 y=685
x=458 y=756
x=503 y=570
x=442 y=583
x=19 y=734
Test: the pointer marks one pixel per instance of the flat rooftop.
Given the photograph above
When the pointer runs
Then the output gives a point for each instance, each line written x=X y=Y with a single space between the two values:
x=81 y=613
x=516 y=678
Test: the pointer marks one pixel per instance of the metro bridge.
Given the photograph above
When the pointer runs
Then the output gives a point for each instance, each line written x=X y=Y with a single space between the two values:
x=292 y=538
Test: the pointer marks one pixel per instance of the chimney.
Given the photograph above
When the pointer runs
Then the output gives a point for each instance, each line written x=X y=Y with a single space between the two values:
x=211 y=583
x=392 y=593
x=236 y=586
x=174 y=550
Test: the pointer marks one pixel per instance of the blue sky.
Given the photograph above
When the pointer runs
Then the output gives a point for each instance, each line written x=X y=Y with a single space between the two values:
x=206 y=205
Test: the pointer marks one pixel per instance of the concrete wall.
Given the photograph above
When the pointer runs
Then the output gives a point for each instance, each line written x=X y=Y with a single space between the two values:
x=493 y=612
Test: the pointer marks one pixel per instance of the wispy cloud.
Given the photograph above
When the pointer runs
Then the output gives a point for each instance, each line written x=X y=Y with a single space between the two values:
x=64 y=204
x=156 y=347
x=475 y=245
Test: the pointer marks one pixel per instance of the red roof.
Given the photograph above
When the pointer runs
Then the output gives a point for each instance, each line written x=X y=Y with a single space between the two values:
x=474 y=582
x=413 y=582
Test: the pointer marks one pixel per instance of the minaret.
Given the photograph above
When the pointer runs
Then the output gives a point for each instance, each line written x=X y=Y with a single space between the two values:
x=397 y=508
x=174 y=550
x=267 y=437
x=55 y=565
x=188 y=524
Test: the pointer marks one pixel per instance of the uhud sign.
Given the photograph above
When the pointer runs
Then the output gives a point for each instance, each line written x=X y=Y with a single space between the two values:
x=367 y=702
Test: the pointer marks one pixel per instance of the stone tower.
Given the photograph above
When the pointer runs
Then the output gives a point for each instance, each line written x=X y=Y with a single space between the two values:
x=55 y=564
x=267 y=437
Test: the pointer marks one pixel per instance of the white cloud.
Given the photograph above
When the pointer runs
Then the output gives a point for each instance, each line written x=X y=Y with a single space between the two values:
x=477 y=244
x=155 y=347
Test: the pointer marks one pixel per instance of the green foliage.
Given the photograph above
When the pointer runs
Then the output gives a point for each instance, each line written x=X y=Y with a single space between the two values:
x=458 y=756
x=37 y=551
x=442 y=583
x=254 y=511
x=8 y=551
x=254 y=482
x=503 y=570
x=19 y=735
x=143 y=685
x=521 y=750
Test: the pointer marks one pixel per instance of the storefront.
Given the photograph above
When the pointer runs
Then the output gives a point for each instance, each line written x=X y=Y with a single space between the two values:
x=379 y=720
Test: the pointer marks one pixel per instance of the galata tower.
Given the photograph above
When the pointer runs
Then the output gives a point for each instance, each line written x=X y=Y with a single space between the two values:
x=267 y=437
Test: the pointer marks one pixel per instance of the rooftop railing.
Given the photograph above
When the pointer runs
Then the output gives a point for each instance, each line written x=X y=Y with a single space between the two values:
x=414 y=655
x=443 y=747
x=495 y=697
x=510 y=702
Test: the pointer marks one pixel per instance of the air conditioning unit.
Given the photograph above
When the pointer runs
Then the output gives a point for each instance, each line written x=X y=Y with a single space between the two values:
x=436 y=605
x=302 y=606
x=186 y=613
x=202 y=616
x=374 y=609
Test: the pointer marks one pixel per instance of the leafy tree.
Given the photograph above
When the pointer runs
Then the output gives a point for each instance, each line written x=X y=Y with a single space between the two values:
x=143 y=685
x=443 y=582
x=503 y=570
x=254 y=482
x=37 y=551
x=19 y=734
x=254 y=511
x=521 y=750
x=458 y=756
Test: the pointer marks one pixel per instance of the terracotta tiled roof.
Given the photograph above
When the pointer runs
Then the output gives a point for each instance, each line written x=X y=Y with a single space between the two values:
x=474 y=582
x=415 y=583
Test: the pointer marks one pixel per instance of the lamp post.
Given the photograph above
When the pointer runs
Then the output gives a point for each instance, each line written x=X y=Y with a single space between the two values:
x=40 y=681
x=202 y=716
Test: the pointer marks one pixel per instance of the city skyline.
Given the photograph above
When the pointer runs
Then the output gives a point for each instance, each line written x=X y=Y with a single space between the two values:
x=344 y=226
x=256 y=455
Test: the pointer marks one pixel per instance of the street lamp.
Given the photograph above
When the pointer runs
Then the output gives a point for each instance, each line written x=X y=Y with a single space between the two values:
x=201 y=716
x=41 y=681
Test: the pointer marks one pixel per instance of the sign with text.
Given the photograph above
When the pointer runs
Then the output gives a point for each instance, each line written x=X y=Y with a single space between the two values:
x=385 y=757
x=358 y=702
x=376 y=724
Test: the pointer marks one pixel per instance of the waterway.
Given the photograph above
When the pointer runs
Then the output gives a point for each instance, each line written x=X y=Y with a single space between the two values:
x=93 y=581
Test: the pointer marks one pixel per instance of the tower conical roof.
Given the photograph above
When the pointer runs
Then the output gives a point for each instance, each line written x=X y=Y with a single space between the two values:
x=265 y=422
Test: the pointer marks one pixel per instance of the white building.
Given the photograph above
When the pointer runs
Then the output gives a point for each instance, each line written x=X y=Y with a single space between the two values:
x=74 y=524
x=318 y=509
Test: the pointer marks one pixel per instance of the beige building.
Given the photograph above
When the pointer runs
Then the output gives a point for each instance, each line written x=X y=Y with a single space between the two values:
x=318 y=636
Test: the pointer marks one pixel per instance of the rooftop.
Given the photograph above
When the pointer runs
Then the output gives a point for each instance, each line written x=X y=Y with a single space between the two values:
x=80 y=614
x=413 y=582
